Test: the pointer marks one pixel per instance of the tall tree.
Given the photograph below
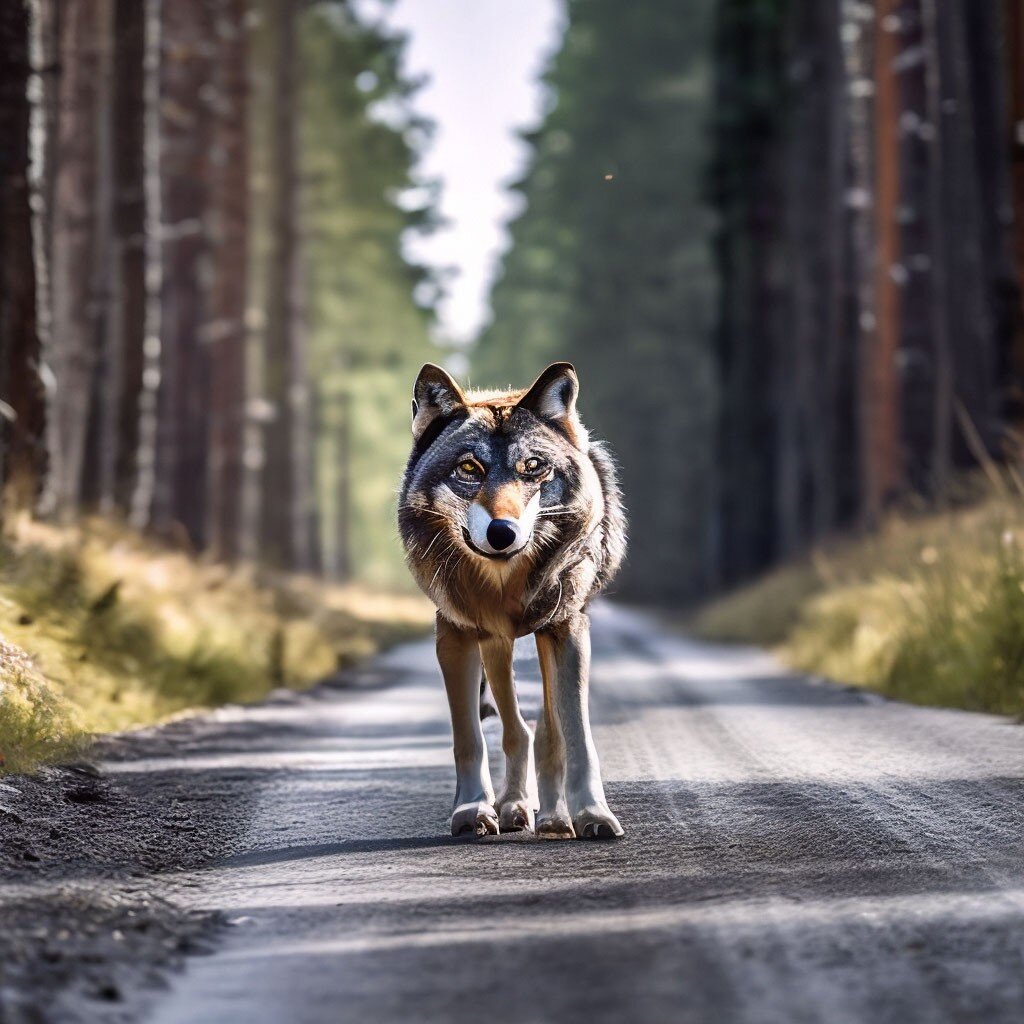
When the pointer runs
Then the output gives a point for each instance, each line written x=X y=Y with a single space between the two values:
x=22 y=402
x=226 y=331
x=282 y=506
x=882 y=457
x=179 y=499
x=77 y=272
x=120 y=438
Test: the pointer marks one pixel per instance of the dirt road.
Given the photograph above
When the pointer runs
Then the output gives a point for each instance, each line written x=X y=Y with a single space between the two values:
x=794 y=852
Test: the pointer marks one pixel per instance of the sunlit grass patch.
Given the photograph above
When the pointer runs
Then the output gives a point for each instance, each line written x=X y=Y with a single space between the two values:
x=123 y=632
x=36 y=724
x=930 y=609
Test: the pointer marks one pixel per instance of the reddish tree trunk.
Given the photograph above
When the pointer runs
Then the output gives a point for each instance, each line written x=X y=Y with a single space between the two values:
x=880 y=382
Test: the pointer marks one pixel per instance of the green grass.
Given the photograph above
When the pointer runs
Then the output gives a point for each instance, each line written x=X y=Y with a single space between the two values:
x=930 y=609
x=101 y=631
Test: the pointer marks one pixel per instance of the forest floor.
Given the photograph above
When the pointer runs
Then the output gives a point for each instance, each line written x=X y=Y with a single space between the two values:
x=794 y=850
x=928 y=609
x=101 y=630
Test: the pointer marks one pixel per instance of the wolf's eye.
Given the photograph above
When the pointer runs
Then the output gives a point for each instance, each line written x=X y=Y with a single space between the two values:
x=467 y=468
x=534 y=466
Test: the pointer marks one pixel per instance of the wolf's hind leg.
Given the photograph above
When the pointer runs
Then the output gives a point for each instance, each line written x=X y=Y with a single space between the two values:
x=515 y=804
x=459 y=657
x=566 y=658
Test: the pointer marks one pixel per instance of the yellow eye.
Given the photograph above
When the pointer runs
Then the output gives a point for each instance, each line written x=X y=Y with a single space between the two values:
x=469 y=468
x=533 y=466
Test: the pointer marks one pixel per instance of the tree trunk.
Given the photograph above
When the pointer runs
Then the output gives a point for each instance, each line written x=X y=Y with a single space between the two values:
x=75 y=335
x=1013 y=26
x=858 y=39
x=144 y=489
x=179 y=499
x=227 y=329
x=280 y=485
x=100 y=452
x=128 y=261
x=22 y=401
x=880 y=383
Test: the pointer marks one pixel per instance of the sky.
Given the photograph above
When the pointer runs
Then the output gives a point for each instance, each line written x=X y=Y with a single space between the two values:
x=482 y=58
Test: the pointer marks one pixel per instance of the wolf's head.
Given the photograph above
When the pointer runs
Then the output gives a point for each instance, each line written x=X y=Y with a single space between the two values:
x=495 y=478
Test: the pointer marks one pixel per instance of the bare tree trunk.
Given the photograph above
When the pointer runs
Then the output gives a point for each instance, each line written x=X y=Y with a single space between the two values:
x=880 y=382
x=145 y=472
x=22 y=400
x=1013 y=26
x=227 y=329
x=830 y=455
x=74 y=248
x=858 y=51
x=120 y=435
x=943 y=407
x=45 y=46
x=279 y=483
x=98 y=463
x=179 y=505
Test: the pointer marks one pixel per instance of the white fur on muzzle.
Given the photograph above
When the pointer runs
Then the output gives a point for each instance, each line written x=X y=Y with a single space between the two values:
x=480 y=521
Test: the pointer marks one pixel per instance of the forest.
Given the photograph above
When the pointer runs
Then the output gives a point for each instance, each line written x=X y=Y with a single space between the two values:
x=782 y=241
x=208 y=325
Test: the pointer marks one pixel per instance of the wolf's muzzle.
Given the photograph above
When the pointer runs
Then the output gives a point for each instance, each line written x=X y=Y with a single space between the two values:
x=501 y=537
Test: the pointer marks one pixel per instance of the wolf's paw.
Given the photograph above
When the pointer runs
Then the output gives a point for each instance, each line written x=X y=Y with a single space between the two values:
x=597 y=822
x=555 y=825
x=515 y=816
x=477 y=819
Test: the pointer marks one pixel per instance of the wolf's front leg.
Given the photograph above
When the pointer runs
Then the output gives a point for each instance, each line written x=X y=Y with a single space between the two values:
x=515 y=804
x=459 y=657
x=565 y=660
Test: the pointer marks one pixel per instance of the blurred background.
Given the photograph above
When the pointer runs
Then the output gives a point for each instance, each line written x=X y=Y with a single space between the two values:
x=782 y=240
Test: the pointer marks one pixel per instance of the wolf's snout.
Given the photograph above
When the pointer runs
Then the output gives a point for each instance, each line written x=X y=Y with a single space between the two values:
x=502 y=533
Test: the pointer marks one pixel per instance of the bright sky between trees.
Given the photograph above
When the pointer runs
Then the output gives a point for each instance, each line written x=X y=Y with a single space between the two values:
x=483 y=59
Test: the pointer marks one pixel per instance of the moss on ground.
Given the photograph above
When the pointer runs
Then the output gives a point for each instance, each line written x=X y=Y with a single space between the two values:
x=929 y=609
x=102 y=630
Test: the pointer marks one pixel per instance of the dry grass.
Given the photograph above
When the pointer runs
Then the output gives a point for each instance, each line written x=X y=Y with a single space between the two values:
x=930 y=609
x=121 y=632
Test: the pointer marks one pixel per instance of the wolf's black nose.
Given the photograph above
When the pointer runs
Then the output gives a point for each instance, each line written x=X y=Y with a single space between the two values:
x=501 y=534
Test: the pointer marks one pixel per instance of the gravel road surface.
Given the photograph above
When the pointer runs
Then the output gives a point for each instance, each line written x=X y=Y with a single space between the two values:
x=794 y=851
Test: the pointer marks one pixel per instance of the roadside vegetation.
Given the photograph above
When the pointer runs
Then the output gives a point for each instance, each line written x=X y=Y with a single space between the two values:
x=929 y=609
x=101 y=630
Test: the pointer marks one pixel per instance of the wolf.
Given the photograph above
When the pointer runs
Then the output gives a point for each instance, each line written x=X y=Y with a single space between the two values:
x=512 y=521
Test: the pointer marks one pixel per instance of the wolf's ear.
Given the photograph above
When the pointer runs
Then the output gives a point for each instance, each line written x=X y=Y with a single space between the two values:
x=434 y=395
x=552 y=397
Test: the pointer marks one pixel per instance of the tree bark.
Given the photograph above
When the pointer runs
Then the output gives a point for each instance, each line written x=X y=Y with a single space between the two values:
x=128 y=261
x=75 y=333
x=179 y=498
x=227 y=328
x=22 y=400
x=279 y=483
x=880 y=384
x=1013 y=33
